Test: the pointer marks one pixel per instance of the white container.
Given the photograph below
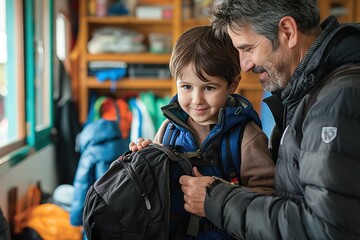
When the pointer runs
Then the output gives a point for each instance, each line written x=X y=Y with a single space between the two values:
x=159 y=42
x=149 y=12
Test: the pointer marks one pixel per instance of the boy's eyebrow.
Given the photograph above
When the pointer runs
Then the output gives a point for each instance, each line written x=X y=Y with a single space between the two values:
x=204 y=83
x=181 y=80
x=211 y=83
x=184 y=82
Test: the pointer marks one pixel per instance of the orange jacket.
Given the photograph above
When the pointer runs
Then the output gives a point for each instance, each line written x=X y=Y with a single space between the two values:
x=52 y=222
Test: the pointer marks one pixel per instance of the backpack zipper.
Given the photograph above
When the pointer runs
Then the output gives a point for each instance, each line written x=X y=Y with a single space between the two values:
x=135 y=177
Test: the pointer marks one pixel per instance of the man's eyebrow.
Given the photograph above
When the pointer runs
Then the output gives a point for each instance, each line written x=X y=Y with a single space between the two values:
x=245 y=45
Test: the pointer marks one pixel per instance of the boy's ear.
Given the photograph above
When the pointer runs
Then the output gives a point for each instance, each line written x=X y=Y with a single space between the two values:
x=234 y=85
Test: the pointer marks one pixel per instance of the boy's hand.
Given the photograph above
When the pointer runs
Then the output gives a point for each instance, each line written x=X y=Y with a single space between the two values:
x=141 y=143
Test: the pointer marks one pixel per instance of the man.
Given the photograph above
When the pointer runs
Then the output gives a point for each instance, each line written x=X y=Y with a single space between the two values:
x=314 y=72
x=4 y=227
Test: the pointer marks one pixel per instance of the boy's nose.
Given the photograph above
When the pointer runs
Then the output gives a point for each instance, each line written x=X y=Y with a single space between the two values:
x=197 y=97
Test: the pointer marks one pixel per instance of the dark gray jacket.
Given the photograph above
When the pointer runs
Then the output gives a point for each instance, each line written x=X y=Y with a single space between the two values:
x=318 y=166
x=4 y=227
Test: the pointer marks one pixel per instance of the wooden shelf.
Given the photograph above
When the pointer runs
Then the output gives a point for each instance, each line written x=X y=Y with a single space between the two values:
x=132 y=83
x=88 y=24
x=111 y=20
x=131 y=57
x=249 y=85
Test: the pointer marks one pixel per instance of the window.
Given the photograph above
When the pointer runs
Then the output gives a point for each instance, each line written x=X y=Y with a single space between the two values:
x=42 y=75
x=3 y=82
x=25 y=86
x=12 y=114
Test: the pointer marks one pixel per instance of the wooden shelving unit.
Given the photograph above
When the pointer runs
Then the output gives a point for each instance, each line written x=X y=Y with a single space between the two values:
x=83 y=84
x=80 y=57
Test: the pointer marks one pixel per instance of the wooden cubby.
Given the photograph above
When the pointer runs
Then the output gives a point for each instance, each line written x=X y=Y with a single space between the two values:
x=357 y=11
x=176 y=25
x=81 y=57
x=344 y=10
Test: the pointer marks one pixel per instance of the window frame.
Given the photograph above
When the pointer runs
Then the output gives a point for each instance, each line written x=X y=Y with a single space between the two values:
x=37 y=139
x=33 y=139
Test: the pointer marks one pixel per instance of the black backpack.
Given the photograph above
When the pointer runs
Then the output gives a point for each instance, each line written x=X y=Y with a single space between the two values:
x=132 y=199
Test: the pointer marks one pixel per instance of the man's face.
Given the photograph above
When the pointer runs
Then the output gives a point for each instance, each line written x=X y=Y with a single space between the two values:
x=256 y=53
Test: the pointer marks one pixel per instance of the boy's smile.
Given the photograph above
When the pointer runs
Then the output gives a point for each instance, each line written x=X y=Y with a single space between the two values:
x=201 y=100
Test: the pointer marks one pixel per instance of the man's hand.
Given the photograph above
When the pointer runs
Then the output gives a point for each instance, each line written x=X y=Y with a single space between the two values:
x=194 y=189
x=141 y=143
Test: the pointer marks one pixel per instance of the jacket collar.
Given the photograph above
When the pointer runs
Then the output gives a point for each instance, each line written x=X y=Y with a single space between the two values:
x=326 y=54
x=175 y=114
x=305 y=76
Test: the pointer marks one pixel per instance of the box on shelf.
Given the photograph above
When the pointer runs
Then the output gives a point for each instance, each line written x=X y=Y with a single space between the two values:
x=107 y=64
x=95 y=67
x=159 y=42
x=160 y=71
x=153 y=12
x=149 y=12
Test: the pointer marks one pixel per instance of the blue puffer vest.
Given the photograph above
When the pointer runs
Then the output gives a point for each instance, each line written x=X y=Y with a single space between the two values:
x=218 y=155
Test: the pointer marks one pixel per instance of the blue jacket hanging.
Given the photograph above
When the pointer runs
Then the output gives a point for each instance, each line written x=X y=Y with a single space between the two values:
x=100 y=143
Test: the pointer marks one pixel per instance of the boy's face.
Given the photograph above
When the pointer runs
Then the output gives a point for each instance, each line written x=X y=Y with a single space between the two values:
x=201 y=100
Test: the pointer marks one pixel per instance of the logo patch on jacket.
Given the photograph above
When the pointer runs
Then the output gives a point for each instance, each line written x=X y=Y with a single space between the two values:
x=328 y=134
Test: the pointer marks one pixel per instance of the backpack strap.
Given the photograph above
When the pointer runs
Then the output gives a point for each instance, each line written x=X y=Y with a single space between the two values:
x=170 y=135
x=194 y=225
x=231 y=154
x=231 y=145
x=169 y=139
x=176 y=157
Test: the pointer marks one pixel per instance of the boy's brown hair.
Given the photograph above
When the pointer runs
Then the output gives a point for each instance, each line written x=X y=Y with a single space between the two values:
x=207 y=53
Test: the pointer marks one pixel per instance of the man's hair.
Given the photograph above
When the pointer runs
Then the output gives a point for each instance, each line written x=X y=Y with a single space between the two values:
x=208 y=54
x=263 y=16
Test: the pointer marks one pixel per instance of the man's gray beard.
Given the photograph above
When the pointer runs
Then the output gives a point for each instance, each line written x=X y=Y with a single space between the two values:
x=273 y=86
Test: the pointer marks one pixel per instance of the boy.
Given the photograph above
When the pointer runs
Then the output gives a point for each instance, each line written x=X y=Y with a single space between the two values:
x=205 y=112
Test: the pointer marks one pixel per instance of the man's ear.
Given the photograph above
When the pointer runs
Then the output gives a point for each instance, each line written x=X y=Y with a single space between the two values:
x=288 y=31
x=234 y=85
